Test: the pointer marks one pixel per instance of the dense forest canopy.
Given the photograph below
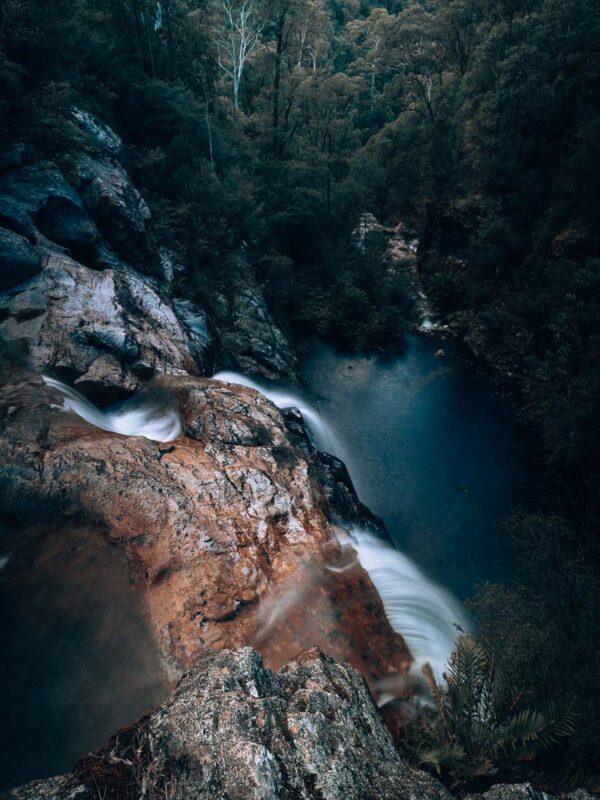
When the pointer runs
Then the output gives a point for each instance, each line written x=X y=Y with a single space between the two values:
x=261 y=130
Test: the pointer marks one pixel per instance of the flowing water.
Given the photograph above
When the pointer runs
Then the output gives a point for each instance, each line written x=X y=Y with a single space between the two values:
x=423 y=613
x=321 y=431
x=432 y=450
x=429 y=448
x=151 y=414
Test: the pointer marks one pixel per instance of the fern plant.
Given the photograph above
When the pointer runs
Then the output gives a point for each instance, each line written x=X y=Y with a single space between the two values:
x=481 y=726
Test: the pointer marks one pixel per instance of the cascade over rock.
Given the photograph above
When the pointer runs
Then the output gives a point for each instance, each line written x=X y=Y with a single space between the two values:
x=226 y=529
x=231 y=525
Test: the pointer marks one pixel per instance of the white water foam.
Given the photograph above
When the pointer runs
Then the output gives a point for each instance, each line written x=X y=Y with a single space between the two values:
x=424 y=614
x=154 y=417
x=284 y=398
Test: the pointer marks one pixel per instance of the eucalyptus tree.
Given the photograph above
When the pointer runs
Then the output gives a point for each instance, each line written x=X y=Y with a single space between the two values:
x=238 y=35
x=301 y=31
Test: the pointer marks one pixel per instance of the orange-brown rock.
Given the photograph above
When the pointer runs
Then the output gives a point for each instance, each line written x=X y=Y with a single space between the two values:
x=225 y=530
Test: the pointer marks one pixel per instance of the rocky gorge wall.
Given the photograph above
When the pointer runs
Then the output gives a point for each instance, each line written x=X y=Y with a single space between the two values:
x=86 y=288
x=226 y=530
x=229 y=532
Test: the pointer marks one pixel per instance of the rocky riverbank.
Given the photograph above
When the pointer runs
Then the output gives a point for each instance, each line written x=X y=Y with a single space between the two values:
x=227 y=530
x=88 y=289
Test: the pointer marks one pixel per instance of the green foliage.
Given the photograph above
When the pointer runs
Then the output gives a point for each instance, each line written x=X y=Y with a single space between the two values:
x=482 y=725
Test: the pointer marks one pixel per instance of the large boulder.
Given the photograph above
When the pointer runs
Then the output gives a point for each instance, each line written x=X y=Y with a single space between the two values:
x=37 y=202
x=67 y=224
x=19 y=261
x=14 y=215
x=204 y=339
x=109 y=328
x=225 y=530
x=97 y=134
x=34 y=185
x=234 y=730
x=251 y=338
x=117 y=208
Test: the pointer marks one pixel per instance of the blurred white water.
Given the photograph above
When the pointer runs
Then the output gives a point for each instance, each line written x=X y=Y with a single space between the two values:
x=153 y=416
x=284 y=398
x=423 y=613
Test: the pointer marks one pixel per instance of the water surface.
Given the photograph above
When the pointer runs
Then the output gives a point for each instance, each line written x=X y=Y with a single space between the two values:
x=432 y=450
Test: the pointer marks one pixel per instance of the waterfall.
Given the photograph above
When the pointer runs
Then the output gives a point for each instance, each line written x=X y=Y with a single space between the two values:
x=424 y=614
x=284 y=398
x=152 y=415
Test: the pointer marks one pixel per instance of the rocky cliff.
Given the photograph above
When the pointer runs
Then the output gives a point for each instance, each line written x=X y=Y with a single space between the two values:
x=229 y=532
x=226 y=530
x=87 y=287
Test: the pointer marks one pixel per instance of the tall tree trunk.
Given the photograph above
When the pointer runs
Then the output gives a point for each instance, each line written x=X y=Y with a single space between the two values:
x=277 y=83
x=208 y=128
x=170 y=44
x=138 y=16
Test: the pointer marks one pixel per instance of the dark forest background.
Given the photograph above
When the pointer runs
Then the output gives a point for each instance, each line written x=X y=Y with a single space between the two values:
x=476 y=124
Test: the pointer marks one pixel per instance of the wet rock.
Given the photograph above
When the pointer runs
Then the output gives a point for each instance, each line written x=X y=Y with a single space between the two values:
x=67 y=224
x=205 y=344
x=225 y=530
x=38 y=203
x=250 y=336
x=19 y=261
x=13 y=157
x=97 y=133
x=34 y=185
x=61 y=787
x=111 y=327
x=236 y=730
x=15 y=217
x=344 y=505
x=525 y=791
x=116 y=207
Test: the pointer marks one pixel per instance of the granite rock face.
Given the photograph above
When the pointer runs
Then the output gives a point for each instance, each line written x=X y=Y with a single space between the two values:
x=525 y=791
x=237 y=731
x=19 y=261
x=250 y=334
x=120 y=212
x=82 y=213
x=109 y=327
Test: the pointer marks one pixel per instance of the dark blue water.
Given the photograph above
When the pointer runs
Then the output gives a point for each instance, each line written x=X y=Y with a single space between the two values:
x=433 y=451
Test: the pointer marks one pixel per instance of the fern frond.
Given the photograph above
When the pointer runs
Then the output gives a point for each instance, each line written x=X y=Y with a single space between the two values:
x=445 y=756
